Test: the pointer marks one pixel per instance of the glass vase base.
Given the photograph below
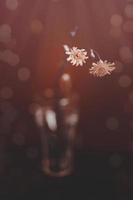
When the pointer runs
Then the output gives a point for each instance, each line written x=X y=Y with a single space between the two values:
x=57 y=173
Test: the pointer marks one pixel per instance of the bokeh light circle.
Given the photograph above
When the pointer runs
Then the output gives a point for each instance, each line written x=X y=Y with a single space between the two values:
x=66 y=77
x=124 y=81
x=112 y=123
x=116 y=20
x=72 y=119
x=129 y=10
x=24 y=74
x=12 y=4
x=9 y=57
x=64 y=102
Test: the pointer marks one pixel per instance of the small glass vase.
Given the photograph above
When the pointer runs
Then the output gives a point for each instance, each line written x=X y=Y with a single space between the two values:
x=58 y=121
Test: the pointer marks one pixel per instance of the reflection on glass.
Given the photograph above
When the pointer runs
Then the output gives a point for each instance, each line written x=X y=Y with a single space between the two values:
x=57 y=121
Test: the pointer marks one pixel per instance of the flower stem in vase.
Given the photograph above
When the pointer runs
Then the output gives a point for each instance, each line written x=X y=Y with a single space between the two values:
x=59 y=155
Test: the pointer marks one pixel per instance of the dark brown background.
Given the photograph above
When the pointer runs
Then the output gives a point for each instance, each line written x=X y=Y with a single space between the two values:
x=40 y=28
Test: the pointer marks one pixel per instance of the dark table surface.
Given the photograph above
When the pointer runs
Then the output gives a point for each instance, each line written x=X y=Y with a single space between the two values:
x=96 y=176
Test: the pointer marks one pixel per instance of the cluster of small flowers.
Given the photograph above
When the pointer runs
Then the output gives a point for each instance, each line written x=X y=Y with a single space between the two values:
x=78 y=57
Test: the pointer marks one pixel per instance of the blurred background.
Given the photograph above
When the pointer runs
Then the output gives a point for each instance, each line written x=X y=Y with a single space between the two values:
x=32 y=35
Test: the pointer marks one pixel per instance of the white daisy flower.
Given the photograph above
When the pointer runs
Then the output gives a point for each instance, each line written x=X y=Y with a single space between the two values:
x=102 y=68
x=76 y=56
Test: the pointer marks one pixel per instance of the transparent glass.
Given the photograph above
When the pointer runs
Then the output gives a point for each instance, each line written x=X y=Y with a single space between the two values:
x=58 y=120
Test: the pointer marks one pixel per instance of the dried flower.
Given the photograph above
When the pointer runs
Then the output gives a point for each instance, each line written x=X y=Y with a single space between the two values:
x=76 y=56
x=102 y=68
